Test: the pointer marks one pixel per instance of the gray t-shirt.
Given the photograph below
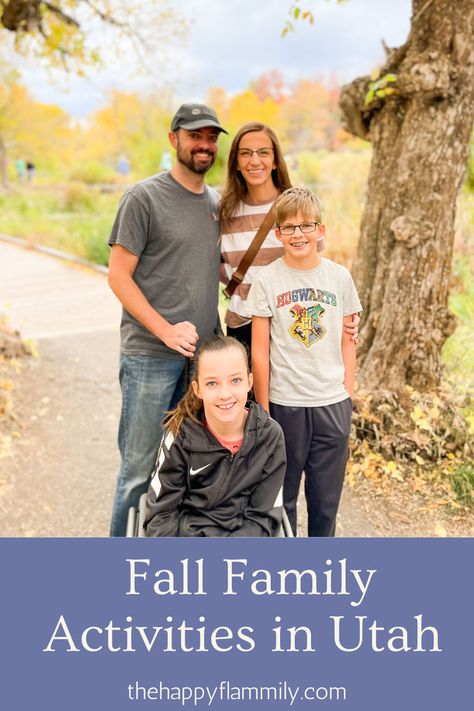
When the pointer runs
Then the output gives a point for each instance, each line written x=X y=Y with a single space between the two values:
x=175 y=234
x=306 y=310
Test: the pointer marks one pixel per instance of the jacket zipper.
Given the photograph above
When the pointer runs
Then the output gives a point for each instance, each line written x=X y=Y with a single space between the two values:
x=231 y=457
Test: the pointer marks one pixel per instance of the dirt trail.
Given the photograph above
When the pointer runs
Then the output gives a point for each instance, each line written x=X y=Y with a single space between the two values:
x=60 y=475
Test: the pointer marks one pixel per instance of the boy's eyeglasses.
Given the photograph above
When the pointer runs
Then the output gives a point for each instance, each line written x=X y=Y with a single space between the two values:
x=247 y=153
x=306 y=227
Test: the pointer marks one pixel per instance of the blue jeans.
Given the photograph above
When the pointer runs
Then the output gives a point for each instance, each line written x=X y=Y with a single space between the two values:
x=150 y=387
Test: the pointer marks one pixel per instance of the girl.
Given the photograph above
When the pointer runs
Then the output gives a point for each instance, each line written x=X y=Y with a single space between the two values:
x=221 y=463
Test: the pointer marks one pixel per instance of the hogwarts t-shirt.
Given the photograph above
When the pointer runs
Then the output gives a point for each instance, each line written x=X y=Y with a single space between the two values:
x=307 y=309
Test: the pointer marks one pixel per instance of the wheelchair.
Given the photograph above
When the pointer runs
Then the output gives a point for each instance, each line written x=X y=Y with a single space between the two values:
x=136 y=519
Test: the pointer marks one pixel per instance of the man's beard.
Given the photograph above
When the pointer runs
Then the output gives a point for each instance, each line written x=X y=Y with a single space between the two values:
x=192 y=163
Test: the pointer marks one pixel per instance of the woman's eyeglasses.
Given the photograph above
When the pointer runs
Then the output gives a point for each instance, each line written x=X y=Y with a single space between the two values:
x=247 y=153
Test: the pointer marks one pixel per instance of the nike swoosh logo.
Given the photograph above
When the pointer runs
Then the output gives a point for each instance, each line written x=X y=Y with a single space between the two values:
x=196 y=471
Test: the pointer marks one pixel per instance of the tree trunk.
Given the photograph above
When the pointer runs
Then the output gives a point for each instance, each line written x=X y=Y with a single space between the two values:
x=420 y=137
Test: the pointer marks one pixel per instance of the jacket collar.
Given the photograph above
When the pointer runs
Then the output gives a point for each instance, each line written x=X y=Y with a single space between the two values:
x=197 y=438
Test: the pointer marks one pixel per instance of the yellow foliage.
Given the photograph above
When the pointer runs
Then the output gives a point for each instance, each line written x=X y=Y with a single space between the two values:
x=246 y=107
x=33 y=130
x=133 y=125
x=420 y=418
x=392 y=469
x=60 y=32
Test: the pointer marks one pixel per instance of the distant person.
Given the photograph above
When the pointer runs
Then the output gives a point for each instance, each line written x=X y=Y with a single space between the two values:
x=123 y=166
x=303 y=360
x=164 y=268
x=222 y=461
x=256 y=175
x=20 y=168
x=166 y=162
x=30 y=171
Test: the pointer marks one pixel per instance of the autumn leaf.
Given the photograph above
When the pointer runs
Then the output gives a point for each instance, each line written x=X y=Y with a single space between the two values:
x=420 y=419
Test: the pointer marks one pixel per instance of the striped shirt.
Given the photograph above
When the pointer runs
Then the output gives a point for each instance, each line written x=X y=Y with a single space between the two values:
x=234 y=244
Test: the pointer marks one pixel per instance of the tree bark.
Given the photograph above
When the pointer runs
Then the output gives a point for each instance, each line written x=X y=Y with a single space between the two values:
x=420 y=137
x=21 y=15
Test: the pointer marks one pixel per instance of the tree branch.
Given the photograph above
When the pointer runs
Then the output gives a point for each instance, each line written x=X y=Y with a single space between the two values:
x=63 y=52
x=67 y=19
x=104 y=16
x=355 y=116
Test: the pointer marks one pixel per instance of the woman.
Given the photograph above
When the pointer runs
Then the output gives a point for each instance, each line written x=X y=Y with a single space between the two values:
x=256 y=175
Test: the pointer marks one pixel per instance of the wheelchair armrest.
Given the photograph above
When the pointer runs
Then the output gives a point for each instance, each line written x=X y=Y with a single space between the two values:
x=140 y=531
x=136 y=519
x=286 y=525
x=131 y=522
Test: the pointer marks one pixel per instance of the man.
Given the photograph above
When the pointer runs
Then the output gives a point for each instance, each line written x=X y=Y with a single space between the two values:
x=164 y=268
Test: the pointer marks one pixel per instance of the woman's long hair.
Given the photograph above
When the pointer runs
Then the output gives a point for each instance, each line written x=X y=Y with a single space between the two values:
x=190 y=405
x=235 y=188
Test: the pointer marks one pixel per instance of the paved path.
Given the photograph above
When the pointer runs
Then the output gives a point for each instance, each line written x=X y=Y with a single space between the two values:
x=59 y=480
x=60 y=477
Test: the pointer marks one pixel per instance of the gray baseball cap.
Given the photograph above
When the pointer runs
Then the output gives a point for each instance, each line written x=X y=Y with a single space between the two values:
x=191 y=116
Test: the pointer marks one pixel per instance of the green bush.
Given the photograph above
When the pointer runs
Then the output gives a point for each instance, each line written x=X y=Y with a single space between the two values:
x=93 y=173
x=94 y=236
x=470 y=173
x=309 y=168
x=462 y=481
x=77 y=198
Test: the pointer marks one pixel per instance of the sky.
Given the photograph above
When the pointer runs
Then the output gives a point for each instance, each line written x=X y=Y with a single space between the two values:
x=230 y=43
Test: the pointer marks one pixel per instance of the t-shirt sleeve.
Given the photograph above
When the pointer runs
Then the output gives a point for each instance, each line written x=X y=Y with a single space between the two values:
x=130 y=228
x=257 y=299
x=350 y=298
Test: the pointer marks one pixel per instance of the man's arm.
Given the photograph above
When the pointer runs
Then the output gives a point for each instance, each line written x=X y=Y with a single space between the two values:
x=261 y=359
x=349 y=358
x=181 y=337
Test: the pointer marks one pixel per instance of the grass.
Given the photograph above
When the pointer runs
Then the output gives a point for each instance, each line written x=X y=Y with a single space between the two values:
x=75 y=219
x=458 y=351
x=462 y=482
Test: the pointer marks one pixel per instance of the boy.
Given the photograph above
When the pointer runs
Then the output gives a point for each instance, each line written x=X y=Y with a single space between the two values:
x=303 y=362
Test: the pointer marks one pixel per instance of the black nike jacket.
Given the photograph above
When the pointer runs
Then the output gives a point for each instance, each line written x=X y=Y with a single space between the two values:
x=200 y=489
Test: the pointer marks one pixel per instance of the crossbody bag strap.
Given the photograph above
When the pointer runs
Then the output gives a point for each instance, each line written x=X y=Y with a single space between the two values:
x=251 y=253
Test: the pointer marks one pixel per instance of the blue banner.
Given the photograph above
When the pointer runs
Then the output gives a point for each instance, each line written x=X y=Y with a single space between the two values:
x=365 y=624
